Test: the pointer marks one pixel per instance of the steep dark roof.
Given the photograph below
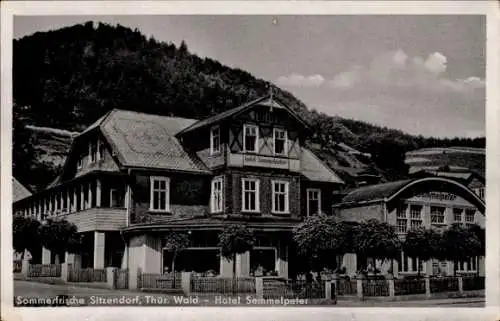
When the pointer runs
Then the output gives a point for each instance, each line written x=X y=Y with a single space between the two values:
x=19 y=191
x=265 y=100
x=374 y=192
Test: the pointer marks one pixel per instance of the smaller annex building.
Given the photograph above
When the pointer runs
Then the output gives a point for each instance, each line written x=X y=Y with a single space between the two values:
x=431 y=202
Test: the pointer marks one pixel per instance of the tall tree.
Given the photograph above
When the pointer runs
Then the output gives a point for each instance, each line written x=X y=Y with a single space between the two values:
x=176 y=242
x=459 y=244
x=377 y=240
x=25 y=234
x=59 y=236
x=422 y=244
x=235 y=239
x=321 y=237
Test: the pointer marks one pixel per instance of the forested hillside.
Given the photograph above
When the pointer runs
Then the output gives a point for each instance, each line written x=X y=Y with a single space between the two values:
x=68 y=78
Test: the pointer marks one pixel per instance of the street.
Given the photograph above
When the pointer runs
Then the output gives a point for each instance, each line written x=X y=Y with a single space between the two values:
x=27 y=289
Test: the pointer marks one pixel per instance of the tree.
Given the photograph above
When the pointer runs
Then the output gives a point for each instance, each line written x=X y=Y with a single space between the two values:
x=235 y=239
x=459 y=244
x=176 y=242
x=25 y=234
x=422 y=244
x=480 y=233
x=319 y=237
x=59 y=236
x=377 y=240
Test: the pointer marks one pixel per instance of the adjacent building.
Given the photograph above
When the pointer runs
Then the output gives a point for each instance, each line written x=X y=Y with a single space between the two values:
x=431 y=202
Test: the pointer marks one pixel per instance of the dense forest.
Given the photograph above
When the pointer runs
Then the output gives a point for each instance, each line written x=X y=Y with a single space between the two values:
x=68 y=78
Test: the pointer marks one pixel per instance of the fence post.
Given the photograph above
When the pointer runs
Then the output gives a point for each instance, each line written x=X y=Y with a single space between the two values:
x=25 y=267
x=259 y=287
x=111 y=277
x=134 y=278
x=359 y=286
x=392 y=289
x=427 y=286
x=186 y=282
x=461 y=284
x=328 y=289
x=335 y=283
x=65 y=267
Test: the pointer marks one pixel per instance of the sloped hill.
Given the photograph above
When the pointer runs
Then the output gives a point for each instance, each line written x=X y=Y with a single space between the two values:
x=455 y=157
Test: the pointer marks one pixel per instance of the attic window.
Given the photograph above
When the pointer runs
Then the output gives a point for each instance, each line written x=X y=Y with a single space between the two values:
x=92 y=152
x=79 y=164
x=100 y=151
x=215 y=140
x=279 y=141
x=250 y=138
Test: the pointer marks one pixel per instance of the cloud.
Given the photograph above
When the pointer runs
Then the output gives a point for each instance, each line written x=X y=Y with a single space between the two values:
x=393 y=69
x=296 y=80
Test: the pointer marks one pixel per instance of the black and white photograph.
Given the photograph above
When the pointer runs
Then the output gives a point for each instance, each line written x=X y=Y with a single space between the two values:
x=271 y=160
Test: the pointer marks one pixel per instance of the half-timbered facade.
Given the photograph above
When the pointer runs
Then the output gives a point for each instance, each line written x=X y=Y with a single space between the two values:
x=130 y=178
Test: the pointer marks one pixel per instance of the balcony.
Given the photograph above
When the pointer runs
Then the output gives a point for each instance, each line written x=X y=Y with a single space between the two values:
x=253 y=160
x=98 y=219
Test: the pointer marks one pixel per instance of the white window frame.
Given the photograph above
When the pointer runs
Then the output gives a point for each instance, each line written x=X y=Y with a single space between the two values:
x=215 y=149
x=285 y=145
x=90 y=153
x=409 y=265
x=100 y=156
x=468 y=211
x=309 y=199
x=213 y=209
x=257 y=192
x=79 y=163
x=152 y=179
x=443 y=215
x=462 y=215
x=256 y=145
x=467 y=264
x=414 y=218
x=115 y=190
x=287 y=197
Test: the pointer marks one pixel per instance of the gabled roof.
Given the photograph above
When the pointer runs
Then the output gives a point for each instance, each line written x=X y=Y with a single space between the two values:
x=19 y=191
x=315 y=170
x=148 y=141
x=265 y=100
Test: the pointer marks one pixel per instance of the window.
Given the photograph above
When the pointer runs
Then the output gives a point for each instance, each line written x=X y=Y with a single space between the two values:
x=480 y=192
x=469 y=216
x=250 y=195
x=279 y=141
x=415 y=216
x=92 y=152
x=409 y=264
x=100 y=152
x=159 y=198
x=313 y=201
x=457 y=215
x=468 y=265
x=79 y=164
x=215 y=140
x=437 y=215
x=217 y=202
x=280 y=197
x=401 y=211
x=250 y=138
x=401 y=225
x=116 y=198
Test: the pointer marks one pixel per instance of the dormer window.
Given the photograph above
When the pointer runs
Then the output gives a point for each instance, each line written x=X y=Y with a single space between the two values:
x=100 y=150
x=250 y=138
x=215 y=140
x=279 y=135
x=79 y=164
x=92 y=152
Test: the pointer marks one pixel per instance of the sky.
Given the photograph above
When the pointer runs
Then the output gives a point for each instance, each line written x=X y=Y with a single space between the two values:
x=420 y=74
